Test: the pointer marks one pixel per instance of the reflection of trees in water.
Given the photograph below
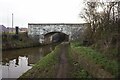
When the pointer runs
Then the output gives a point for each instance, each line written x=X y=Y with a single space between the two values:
x=46 y=49
x=43 y=51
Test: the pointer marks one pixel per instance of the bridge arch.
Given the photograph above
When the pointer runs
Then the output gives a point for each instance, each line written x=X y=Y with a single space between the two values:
x=56 y=36
x=37 y=31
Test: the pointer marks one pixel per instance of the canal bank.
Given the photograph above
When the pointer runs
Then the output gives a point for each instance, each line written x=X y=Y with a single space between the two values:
x=44 y=68
x=56 y=64
x=73 y=61
x=18 y=61
x=94 y=62
x=17 y=41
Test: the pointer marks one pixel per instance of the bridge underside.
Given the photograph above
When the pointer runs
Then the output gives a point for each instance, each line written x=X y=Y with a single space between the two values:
x=54 y=37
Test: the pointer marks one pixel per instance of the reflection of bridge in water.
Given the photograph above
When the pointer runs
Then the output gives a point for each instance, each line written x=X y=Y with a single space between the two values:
x=16 y=62
x=33 y=54
x=13 y=70
x=45 y=33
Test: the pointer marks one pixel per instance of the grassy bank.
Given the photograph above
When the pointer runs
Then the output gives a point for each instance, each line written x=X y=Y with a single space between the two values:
x=45 y=68
x=48 y=66
x=12 y=41
x=76 y=70
x=83 y=62
x=99 y=59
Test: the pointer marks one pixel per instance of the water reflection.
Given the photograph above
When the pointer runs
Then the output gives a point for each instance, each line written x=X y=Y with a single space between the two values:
x=14 y=69
x=16 y=62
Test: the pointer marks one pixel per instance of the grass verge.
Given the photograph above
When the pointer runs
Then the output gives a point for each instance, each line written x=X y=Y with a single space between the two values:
x=105 y=63
x=76 y=70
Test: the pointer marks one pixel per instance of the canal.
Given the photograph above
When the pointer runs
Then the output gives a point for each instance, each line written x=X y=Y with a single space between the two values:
x=17 y=62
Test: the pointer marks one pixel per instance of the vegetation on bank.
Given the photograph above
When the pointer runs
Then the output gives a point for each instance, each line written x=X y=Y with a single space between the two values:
x=48 y=67
x=76 y=70
x=45 y=68
x=102 y=30
x=101 y=35
x=15 y=41
x=98 y=58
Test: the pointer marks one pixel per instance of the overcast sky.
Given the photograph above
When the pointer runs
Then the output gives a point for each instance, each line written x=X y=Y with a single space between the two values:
x=40 y=11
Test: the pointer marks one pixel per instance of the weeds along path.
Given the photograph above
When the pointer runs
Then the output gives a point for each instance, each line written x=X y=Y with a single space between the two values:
x=63 y=61
x=90 y=66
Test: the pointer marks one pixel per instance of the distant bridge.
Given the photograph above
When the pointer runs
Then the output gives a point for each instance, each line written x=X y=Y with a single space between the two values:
x=39 y=31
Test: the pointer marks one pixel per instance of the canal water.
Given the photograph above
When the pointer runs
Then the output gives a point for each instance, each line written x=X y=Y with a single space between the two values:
x=17 y=62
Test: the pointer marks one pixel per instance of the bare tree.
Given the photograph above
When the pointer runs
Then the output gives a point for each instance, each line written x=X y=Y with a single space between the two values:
x=102 y=25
